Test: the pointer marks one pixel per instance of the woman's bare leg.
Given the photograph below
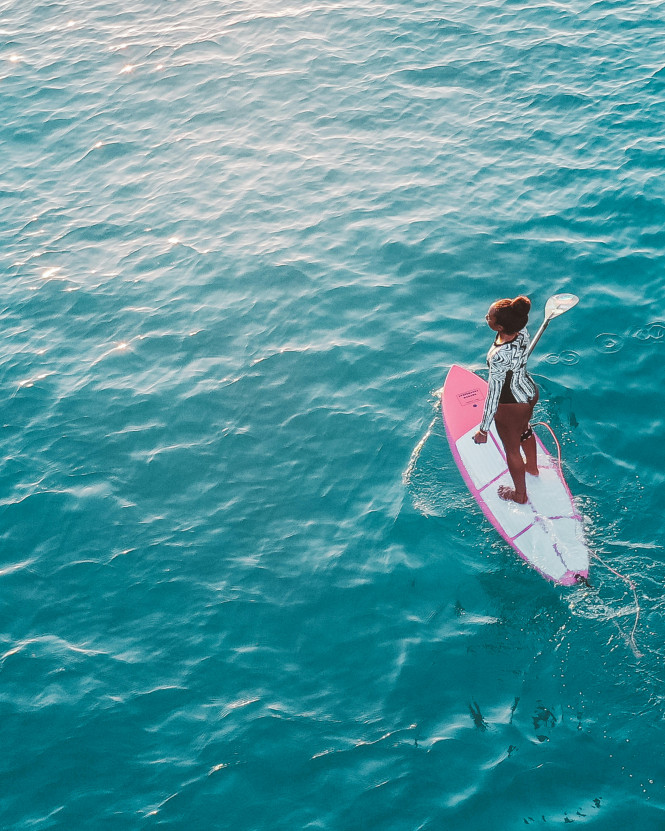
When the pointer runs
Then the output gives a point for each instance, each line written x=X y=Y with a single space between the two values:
x=511 y=422
x=529 y=445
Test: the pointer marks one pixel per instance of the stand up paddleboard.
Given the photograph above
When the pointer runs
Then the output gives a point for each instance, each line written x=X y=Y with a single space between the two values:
x=547 y=531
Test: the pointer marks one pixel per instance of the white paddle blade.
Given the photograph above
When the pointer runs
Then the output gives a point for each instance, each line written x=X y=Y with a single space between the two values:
x=560 y=303
x=555 y=306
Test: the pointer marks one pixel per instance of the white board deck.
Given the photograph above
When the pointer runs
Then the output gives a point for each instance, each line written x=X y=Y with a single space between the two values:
x=548 y=530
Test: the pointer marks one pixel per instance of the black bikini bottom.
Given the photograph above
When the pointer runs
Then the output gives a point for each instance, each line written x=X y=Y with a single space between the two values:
x=507 y=396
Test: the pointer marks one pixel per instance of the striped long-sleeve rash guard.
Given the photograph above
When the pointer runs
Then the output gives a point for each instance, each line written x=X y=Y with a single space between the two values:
x=509 y=382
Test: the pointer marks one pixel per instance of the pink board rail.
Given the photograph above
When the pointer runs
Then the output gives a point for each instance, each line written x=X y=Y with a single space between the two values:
x=548 y=531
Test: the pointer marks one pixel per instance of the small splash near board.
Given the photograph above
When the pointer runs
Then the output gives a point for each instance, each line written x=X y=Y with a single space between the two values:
x=547 y=531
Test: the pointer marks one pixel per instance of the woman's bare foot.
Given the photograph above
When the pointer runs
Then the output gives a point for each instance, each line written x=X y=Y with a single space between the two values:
x=511 y=495
x=533 y=472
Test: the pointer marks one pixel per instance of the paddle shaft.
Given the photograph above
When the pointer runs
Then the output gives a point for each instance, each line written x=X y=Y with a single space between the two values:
x=536 y=337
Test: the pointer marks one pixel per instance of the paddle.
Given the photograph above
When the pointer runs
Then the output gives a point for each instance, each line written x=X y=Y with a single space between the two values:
x=555 y=306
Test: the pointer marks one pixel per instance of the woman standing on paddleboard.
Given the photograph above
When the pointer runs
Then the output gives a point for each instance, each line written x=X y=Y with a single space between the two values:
x=511 y=393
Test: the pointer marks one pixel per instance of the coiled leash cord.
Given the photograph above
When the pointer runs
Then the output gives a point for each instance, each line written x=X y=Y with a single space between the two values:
x=584 y=581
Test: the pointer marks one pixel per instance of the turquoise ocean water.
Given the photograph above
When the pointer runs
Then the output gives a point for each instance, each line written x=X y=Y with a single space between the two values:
x=241 y=243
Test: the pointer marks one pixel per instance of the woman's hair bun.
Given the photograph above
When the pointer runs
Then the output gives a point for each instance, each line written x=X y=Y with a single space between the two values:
x=521 y=304
x=512 y=314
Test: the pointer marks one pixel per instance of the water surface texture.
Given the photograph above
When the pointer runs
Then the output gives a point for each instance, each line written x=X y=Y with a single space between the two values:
x=241 y=243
